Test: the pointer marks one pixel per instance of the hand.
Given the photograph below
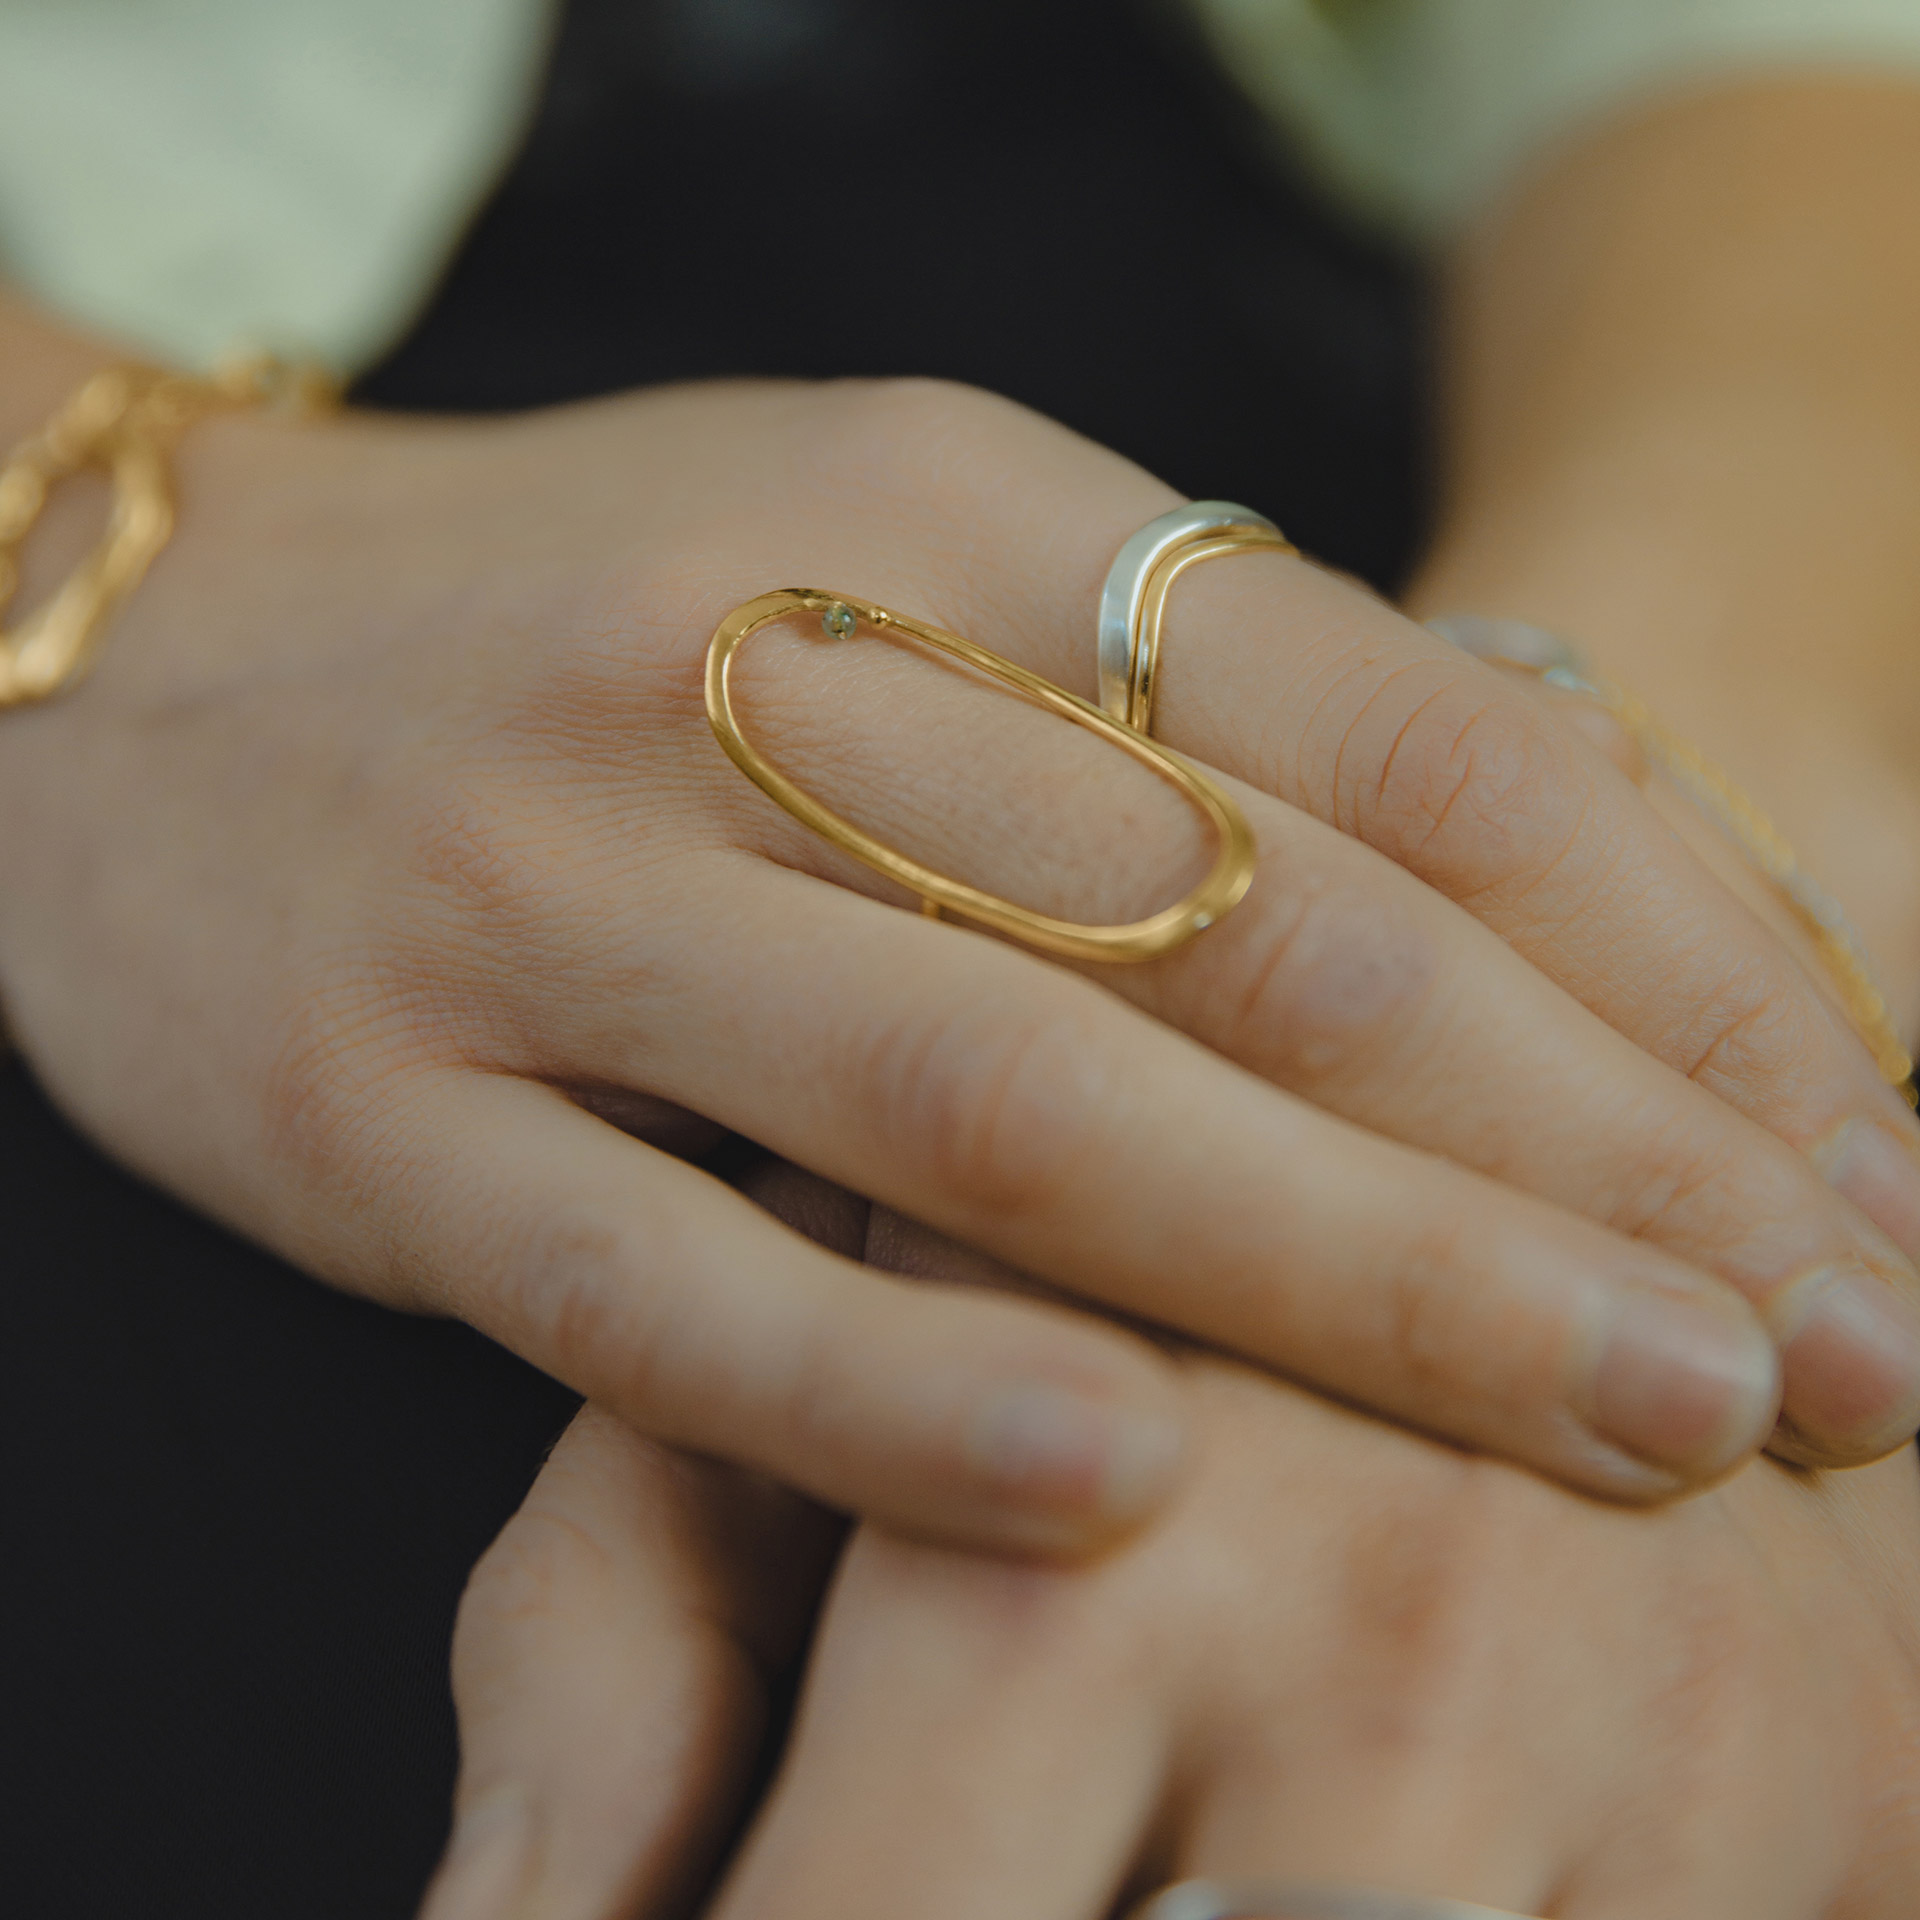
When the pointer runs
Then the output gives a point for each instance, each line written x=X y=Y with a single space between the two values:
x=1347 y=1655
x=390 y=820
x=623 y=1652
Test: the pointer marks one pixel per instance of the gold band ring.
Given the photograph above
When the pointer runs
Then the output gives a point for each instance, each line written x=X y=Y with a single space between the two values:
x=1133 y=601
x=1285 y=1900
x=840 y=617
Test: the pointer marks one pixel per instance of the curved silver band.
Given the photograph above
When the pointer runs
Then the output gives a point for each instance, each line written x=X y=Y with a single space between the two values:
x=1127 y=581
x=1284 y=1900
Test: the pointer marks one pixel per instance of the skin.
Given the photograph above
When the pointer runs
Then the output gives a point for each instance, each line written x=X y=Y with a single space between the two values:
x=385 y=866
x=1683 y=424
x=1347 y=1655
x=1347 y=1652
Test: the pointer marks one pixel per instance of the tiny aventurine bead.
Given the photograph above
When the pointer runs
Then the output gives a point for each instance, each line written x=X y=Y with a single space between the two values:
x=838 y=620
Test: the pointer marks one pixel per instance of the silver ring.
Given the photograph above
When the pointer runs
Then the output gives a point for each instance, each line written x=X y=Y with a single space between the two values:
x=1287 y=1900
x=1127 y=581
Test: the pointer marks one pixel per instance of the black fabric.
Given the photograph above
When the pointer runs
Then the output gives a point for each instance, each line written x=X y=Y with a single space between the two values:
x=239 y=1508
x=1055 y=199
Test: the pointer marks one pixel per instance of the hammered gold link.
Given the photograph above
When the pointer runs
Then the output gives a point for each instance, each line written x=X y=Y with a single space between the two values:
x=123 y=422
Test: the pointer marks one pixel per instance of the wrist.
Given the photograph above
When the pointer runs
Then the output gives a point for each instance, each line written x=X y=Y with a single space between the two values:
x=1738 y=547
x=99 y=455
x=1745 y=563
x=1683 y=415
x=42 y=363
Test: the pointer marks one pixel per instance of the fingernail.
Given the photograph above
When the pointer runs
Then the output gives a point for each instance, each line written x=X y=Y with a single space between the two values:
x=1048 y=1445
x=1873 y=1167
x=1851 y=1348
x=484 y=1873
x=1686 y=1384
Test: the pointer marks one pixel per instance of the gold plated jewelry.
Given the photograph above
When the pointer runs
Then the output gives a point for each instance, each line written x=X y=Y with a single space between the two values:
x=1134 y=598
x=126 y=423
x=841 y=616
x=1842 y=951
x=1153 y=605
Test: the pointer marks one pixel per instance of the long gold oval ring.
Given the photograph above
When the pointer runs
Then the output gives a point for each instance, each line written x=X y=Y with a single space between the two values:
x=1217 y=895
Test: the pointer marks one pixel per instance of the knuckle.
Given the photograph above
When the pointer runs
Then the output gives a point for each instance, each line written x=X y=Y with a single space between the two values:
x=814 y=1399
x=530 y=887
x=992 y=1100
x=1033 y=1632
x=1334 y=973
x=1423 y=1306
x=632 y=660
x=916 y=450
x=1421 y=1593
x=1676 y=1184
x=1421 y=1331
x=610 y=1295
x=1474 y=786
x=911 y=424
x=492 y=864
x=579 y=1290
x=540 y=1570
x=1756 y=1030
x=1461 y=1347
x=333 y=1108
x=1443 y=1580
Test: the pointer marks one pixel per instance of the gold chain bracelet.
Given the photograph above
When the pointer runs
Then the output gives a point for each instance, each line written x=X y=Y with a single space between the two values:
x=125 y=423
x=1842 y=951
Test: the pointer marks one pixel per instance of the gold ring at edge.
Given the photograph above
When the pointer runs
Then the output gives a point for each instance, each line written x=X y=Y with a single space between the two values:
x=1153 y=605
x=1217 y=894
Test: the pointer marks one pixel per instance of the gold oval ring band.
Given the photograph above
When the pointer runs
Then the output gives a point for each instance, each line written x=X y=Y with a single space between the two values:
x=1287 y=1900
x=1133 y=602
x=840 y=617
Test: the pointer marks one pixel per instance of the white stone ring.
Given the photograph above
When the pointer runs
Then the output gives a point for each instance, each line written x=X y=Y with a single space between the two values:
x=1135 y=592
x=1286 y=1900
